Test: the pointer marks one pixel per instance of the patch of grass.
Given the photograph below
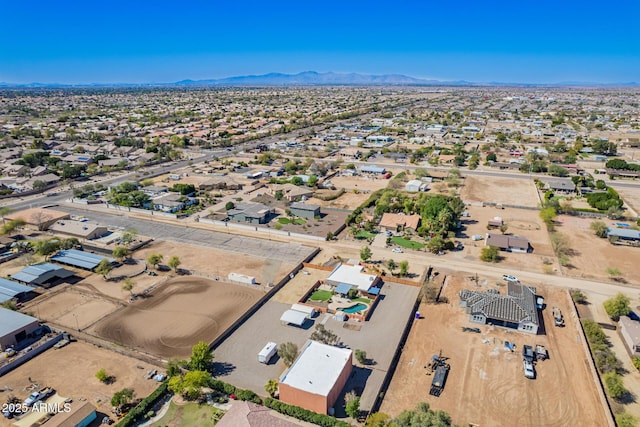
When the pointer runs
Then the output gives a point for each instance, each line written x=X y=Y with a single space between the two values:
x=363 y=234
x=406 y=243
x=362 y=299
x=321 y=295
x=294 y=221
x=187 y=415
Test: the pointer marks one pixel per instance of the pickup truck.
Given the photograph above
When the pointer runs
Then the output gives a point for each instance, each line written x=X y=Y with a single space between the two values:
x=37 y=396
x=527 y=353
x=541 y=352
x=529 y=372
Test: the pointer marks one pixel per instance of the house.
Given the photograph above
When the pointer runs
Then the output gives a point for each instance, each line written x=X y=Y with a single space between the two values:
x=220 y=183
x=509 y=243
x=516 y=310
x=316 y=378
x=291 y=192
x=353 y=275
x=16 y=170
x=565 y=186
x=629 y=331
x=372 y=169
x=80 y=229
x=415 y=186
x=304 y=210
x=111 y=163
x=399 y=222
x=249 y=414
x=255 y=213
x=172 y=202
x=48 y=178
x=15 y=327
x=38 y=218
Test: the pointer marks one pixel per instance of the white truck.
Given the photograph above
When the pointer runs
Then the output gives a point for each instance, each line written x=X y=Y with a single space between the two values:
x=267 y=352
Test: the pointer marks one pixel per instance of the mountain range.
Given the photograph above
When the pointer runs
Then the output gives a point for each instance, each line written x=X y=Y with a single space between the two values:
x=309 y=78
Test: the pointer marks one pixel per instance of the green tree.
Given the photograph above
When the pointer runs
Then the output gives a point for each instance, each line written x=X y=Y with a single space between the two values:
x=391 y=265
x=614 y=384
x=175 y=366
x=353 y=408
x=361 y=356
x=174 y=263
x=102 y=375
x=10 y=226
x=271 y=387
x=490 y=254
x=404 y=268
x=422 y=416
x=288 y=352
x=436 y=244
x=599 y=228
x=313 y=181
x=120 y=252
x=127 y=285
x=578 y=297
x=129 y=236
x=201 y=357
x=69 y=243
x=122 y=397
x=229 y=205
x=618 y=306
x=365 y=253
x=296 y=180
x=104 y=268
x=504 y=228
x=190 y=384
x=154 y=259
x=625 y=419
x=614 y=272
x=548 y=215
x=39 y=185
x=47 y=246
x=377 y=419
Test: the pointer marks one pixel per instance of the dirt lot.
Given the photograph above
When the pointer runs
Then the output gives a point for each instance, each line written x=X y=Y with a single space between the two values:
x=631 y=197
x=486 y=384
x=202 y=259
x=71 y=372
x=520 y=222
x=180 y=313
x=592 y=255
x=72 y=308
x=364 y=185
x=500 y=190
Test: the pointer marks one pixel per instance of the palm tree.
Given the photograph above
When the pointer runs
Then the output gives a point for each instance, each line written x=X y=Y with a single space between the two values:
x=271 y=387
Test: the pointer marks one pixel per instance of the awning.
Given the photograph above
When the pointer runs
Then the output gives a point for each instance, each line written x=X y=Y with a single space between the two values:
x=343 y=288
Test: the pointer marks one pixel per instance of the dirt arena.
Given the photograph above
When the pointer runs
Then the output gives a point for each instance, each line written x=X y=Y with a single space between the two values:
x=180 y=313
x=514 y=191
x=486 y=384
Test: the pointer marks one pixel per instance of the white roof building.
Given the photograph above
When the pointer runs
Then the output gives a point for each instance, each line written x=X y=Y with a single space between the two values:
x=351 y=275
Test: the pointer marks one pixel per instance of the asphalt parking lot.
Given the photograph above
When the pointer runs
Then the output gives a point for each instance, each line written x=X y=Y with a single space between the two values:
x=236 y=358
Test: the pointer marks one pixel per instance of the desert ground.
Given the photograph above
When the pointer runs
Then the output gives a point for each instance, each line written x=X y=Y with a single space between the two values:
x=593 y=255
x=631 y=197
x=180 y=313
x=500 y=190
x=71 y=372
x=213 y=262
x=486 y=384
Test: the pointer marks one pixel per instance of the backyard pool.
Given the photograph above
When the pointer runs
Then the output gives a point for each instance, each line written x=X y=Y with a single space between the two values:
x=354 y=308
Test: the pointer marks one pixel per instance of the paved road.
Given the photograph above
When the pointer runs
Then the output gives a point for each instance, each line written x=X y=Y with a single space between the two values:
x=183 y=233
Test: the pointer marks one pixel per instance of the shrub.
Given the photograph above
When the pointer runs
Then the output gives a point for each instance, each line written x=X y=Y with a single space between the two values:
x=102 y=376
x=490 y=254
x=614 y=384
x=578 y=297
x=303 y=414
x=625 y=419
x=143 y=407
x=617 y=306
x=636 y=362
x=361 y=356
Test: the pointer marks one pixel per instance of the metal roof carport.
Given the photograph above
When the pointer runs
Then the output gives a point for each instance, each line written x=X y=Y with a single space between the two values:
x=81 y=259
x=9 y=289
x=293 y=317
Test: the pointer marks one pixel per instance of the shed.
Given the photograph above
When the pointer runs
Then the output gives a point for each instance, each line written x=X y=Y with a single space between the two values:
x=305 y=210
x=81 y=259
x=81 y=414
x=15 y=327
x=10 y=289
x=293 y=317
x=39 y=274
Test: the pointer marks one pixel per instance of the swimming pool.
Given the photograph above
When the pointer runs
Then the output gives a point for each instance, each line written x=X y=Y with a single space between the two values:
x=354 y=308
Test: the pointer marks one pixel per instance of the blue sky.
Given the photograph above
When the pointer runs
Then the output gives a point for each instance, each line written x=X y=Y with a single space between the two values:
x=482 y=41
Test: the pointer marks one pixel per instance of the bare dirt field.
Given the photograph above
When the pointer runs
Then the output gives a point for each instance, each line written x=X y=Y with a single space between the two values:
x=500 y=190
x=299 y=285
x=486 y=384
x=163 y=180
x=215 y=262
x=72 y=308
x=631 y=197
x=180 y=313
x=349 y=200
x=520 y=222
x=71 y=372
x=593 y=255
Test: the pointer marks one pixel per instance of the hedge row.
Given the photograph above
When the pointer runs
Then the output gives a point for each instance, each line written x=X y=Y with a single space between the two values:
x=375 y=196
x=241 y=394
x=303 y=414
x=144 y=406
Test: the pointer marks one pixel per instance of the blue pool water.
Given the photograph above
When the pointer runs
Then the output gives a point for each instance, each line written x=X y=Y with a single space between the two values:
x=354 y=308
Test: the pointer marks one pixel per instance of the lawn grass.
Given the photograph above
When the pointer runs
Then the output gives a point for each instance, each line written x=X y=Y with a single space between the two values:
x=363 y=234
x=294 y=221
x=362 y=299
x=321 y=295
x=187 y=415
x=406 y=243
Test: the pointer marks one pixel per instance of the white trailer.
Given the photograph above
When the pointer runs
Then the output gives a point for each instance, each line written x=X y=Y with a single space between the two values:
x=242 y=278
x=309 y=311
x=267 y=352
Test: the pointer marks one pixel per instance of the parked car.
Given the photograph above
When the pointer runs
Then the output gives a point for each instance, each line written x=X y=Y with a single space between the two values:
x=509 y=278
x=529 y=372
x=397 y=250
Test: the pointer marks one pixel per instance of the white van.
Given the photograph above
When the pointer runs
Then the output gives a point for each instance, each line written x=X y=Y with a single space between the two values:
x=267 y=352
